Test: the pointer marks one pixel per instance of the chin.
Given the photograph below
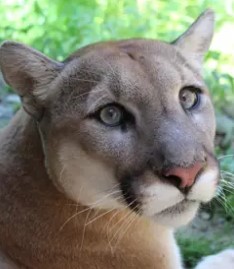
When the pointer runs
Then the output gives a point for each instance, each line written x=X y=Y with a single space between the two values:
x=177 y=215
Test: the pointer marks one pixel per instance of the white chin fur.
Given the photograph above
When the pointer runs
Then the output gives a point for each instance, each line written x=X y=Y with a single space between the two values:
x=178 y=216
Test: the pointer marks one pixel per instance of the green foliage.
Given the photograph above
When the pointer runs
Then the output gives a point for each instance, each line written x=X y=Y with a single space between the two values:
x=194 y=249
x=59 y=27
x=226 y=197
x=208 y=238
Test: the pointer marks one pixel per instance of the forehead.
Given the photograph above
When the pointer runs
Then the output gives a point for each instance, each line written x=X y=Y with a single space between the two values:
x=133 y=66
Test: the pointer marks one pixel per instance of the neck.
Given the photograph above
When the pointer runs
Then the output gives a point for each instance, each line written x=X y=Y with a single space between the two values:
x=38 y=223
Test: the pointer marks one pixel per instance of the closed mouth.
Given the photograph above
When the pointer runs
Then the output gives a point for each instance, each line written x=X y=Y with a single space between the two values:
x=178 y=208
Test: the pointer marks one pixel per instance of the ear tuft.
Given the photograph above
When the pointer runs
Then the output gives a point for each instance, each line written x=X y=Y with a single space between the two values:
x=195 y=42
x=29 y=73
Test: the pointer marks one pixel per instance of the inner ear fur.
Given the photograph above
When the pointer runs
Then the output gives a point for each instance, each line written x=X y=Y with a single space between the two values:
x=29 y=73
x=196 y=41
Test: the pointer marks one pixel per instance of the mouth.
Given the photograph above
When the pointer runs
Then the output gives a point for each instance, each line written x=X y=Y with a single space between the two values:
x=178 y=208
x=177 y=215
x=151 y=196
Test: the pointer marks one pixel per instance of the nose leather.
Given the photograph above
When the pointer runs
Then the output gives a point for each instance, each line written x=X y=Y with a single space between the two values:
x=186 y=175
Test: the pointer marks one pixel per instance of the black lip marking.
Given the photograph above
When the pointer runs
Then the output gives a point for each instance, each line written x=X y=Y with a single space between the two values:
x=178 y=208
x=129 y=194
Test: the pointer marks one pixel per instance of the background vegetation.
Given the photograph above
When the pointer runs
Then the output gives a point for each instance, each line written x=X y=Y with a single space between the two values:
x=59 y=27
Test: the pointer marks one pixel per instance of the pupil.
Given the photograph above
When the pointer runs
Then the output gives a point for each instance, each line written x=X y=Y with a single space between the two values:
x=184 y=98
x=111 y=113
x=189 y=98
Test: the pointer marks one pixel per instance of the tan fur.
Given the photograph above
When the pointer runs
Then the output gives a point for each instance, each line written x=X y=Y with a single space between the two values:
x=38 y=226
x=63 y=173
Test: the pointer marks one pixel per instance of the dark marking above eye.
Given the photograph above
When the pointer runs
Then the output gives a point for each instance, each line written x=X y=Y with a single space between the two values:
x=135 y=56
x=131 y=55
x=131 y=52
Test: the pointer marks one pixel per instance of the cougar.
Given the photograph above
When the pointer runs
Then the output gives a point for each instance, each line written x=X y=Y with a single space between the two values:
x=111 y=151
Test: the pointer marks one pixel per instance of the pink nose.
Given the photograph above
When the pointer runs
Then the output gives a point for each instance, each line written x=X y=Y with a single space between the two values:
x=186 y=176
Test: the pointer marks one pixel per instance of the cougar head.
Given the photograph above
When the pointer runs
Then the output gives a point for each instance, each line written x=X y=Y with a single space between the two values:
x=124 y=124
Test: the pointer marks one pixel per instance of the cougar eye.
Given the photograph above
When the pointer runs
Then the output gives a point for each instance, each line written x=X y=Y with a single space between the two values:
x=111 y=115
x=189 y=97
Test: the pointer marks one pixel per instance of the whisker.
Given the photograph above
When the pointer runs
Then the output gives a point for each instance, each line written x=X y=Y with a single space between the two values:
x=227 y=173
x=122 y=217
x=110 y=66
x=227 y=183
x=104 y=198
x=72 y=217
x=84 y=229
x=123 y=221
x=95 y=104
x=100 y=216
x=87 y=93
x=229 y=190
x=130 y=223
x=91 y=206
x=87 y=71
x=83 y=80
x=123 y=226
x=223 y=201
x=225 y=156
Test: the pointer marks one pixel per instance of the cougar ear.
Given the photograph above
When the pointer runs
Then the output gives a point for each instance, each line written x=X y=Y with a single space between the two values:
x=29 y=73
x=195 y=42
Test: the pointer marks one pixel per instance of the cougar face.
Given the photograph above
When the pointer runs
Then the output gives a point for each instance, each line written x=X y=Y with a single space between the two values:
x=125 y=124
